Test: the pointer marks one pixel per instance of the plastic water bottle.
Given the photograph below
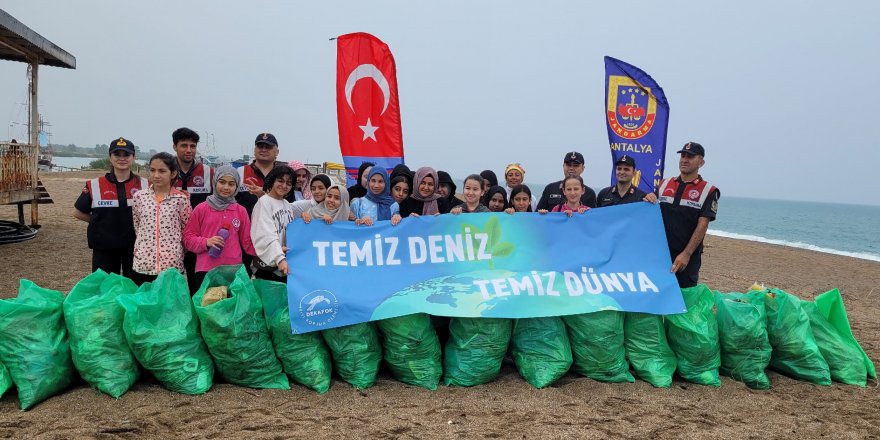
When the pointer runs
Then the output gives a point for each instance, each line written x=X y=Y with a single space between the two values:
x=215 y=252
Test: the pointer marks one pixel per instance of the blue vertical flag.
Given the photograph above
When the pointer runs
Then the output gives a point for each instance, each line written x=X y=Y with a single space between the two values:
x=637 y=116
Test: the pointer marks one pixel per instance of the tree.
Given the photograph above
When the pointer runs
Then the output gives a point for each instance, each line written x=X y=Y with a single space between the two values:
x=100 y=164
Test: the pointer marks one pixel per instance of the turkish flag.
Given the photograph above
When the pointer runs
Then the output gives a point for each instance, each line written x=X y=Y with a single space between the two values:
x=367 y=106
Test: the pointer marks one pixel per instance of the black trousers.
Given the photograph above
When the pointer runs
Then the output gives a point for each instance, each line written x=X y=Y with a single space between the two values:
x=117 y=261
x=690 y=275
x=197 y=279
x=247 y=260
x=141 y=278
x=266 y=275
x=189 y=265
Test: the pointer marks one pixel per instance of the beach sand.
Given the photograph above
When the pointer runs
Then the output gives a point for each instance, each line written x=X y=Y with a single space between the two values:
x=575 y=407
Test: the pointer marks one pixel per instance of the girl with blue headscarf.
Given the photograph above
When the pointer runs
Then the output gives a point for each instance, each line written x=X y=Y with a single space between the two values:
x=377 y=204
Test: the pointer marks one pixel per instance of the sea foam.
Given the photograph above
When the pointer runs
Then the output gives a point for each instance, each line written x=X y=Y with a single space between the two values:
x=795 y=244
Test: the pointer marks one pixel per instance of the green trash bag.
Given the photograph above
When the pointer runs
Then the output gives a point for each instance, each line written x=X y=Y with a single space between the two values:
x=475 y=349
x=541 y=350
x=162 y=331
x=235 y=331
x=356 y=352
x=304 y=357
x=844 y=360
x=693 y=337
x=830 y=306
x=648 y=352
x=411 y=350
x=34 y=345
x=5 y=379
x=795 y=352
x=742 y=331
x=97 y=340
x=597 y=346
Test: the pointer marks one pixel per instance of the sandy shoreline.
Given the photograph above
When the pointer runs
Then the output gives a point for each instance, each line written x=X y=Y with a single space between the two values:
x=508 y=407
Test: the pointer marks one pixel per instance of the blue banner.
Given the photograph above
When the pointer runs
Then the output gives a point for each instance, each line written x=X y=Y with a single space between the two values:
x=637 y=116
x=481 y=265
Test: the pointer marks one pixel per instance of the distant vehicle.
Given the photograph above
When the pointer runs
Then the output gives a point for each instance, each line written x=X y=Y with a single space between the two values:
x=336 y=171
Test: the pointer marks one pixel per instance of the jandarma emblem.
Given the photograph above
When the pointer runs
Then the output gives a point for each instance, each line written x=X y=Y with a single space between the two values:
x=631 y=107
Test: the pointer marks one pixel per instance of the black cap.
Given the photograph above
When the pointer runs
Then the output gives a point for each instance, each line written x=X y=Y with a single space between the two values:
x=266 y=138
x=122 y=144
x=574 y=157
x=625 y=159
x=692 y=148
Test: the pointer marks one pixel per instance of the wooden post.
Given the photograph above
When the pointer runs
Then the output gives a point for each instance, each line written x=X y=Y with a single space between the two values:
x=35 y=142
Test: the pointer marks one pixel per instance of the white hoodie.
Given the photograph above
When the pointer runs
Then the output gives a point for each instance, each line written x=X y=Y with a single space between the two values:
x=268 y=227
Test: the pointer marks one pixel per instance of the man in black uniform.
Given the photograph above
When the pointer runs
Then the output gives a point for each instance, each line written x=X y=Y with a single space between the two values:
x=625 y=191
x=572 y=165
x=688 y=204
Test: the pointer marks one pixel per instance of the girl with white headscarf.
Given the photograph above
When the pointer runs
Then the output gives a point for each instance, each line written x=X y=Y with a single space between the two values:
x=333 y=208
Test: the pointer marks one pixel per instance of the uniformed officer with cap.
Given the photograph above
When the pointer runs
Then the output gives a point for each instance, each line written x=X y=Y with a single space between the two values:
x=688 y=203
x=105 y=204
x=253 y=174
x=625 y=191
x=572 y=165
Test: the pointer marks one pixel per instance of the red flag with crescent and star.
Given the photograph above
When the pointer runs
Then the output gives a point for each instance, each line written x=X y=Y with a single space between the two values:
x=367 y=105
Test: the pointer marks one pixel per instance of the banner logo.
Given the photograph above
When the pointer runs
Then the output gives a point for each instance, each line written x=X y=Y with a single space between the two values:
x=318 y=308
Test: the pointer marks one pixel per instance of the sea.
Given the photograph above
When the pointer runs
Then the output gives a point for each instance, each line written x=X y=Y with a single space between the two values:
x=74 y=162
x=832 y=228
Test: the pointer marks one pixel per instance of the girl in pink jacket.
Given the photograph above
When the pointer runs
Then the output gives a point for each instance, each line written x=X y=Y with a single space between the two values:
x=203 y=234
x=159 y=214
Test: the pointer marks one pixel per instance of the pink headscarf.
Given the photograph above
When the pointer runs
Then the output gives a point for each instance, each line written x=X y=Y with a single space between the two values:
x=306 y=190
x=430 y=203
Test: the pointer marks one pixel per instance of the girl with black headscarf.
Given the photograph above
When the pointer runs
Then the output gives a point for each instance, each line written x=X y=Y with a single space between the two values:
x=359 y=188
x=495 y=199
x=400 y=188
x=489 y=179
x=317 y=189
x=448 y=187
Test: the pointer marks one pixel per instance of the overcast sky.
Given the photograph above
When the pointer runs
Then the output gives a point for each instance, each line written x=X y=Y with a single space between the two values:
x=781 y=94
